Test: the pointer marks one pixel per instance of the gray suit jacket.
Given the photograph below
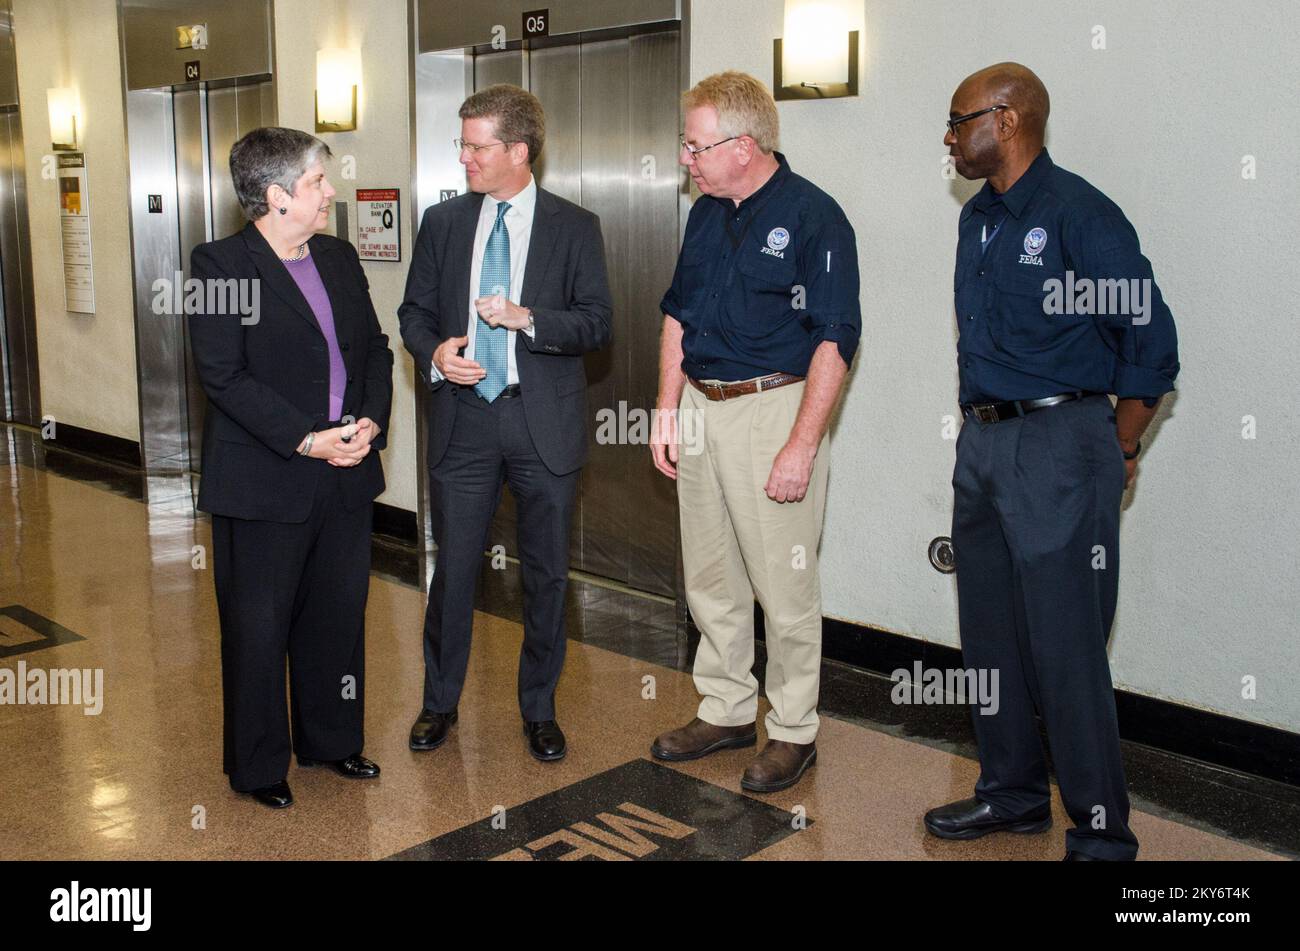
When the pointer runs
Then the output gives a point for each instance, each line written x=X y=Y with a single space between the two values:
x=566 y=287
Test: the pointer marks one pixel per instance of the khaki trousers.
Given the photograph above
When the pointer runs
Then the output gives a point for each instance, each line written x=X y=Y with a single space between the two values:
x=737 y=546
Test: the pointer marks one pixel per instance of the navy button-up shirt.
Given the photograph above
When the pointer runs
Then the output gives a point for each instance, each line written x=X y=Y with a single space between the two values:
x=758 y=286
x=1053 y=294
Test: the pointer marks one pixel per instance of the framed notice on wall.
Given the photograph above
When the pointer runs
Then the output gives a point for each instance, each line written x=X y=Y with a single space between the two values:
x=379 y=224
x=74 y=217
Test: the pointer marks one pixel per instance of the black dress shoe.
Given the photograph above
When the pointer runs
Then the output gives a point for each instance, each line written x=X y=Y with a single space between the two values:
x=970 y=819
x=276 y=795
x=355 y=766
x=1073 y=856
x=545 y=739
x=430 y=729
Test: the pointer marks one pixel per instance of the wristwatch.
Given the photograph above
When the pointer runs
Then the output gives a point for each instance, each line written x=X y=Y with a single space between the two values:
x=1134 y=454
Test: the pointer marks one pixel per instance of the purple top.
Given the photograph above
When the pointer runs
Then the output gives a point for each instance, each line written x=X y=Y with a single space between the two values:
x=307 y=278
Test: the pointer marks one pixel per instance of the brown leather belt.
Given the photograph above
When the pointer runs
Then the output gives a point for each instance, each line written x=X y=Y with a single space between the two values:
x=725 y=391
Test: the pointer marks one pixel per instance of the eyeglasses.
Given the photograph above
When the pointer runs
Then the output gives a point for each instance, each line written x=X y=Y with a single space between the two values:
x=694 y=151
x=953 y=123
x=461 y=145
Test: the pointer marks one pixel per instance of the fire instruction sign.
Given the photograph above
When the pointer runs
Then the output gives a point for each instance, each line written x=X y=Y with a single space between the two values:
x=379 y=229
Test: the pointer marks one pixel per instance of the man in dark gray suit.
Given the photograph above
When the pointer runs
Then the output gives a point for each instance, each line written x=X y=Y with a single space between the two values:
x=507 y=290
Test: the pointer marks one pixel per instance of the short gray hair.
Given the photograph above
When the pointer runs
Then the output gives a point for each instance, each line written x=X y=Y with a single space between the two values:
x=271 y=156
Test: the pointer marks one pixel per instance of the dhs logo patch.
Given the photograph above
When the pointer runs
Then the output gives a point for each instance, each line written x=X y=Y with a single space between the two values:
x=1035 y=241
x=777 y=239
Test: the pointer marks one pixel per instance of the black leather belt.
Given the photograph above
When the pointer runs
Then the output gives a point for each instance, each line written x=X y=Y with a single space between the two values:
x=471 y=394
x=1013 y=409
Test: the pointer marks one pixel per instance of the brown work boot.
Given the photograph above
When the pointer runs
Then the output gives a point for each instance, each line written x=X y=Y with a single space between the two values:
x=779 y=765
x=698 y=739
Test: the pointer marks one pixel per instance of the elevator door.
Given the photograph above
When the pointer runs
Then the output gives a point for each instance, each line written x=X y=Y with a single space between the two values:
x=181 y=196
x=611 y=134
x=19 y=381
x=208 y=122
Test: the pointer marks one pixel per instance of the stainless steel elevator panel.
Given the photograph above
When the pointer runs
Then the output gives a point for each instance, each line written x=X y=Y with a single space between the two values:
x=506 y=66
x=155 y=252
x=239 y=40
x=611 y=129
x=214 y=120
x=447 y=24
x=19 y=375
x=554 y=77
x=192 y=176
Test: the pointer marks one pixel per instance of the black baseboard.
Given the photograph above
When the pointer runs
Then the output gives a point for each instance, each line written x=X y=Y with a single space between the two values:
x=1199 y=734
x=114 y=449
x=395 y=523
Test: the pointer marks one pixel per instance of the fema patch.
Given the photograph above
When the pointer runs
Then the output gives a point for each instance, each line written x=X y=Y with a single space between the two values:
x=1035 y=241
x=778 y=238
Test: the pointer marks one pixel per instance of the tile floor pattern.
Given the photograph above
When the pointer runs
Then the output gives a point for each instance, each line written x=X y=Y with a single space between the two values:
x=127 y=783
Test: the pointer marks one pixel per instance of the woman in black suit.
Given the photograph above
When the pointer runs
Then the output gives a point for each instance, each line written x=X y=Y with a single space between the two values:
x=299 y=386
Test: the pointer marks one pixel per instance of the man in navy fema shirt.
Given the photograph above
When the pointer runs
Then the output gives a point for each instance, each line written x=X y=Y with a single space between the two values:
x=1057 y=311
x=760 y=326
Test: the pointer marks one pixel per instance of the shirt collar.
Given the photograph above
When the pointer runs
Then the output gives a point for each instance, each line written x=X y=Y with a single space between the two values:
x=1017 y=197
x=772 y=184
x=524 y=202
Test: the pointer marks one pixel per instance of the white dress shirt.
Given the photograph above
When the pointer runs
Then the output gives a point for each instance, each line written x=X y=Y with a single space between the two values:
x=519 y=225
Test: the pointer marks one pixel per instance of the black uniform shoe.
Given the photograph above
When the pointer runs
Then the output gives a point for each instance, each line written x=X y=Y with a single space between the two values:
x=276 y=795
x=1073 y=856
x=545 y=739
x=355 y=766
x=430 y=729
x=970 y=819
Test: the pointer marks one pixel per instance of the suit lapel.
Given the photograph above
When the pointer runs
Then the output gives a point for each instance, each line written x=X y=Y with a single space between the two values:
x=462 y=260
x=276 y=276
x=541 y=244
x=329 y=265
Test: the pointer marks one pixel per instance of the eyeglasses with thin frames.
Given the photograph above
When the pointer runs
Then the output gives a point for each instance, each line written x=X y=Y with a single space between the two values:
x=953 y=123
x=461 y=145
x=694 y=151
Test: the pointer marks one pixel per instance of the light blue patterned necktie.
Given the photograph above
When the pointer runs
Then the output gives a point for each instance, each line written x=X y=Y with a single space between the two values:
x=490 y=342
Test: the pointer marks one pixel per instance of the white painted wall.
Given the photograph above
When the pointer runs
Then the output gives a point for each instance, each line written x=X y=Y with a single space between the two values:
x=1159 y=120
x=87 y=362
x=379 y=151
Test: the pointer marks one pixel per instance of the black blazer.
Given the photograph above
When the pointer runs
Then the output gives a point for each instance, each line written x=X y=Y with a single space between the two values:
x=565 y=285
x=268 y=382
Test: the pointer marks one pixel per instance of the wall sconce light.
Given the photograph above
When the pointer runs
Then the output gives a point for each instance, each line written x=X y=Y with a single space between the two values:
x=338 y=73
x=812 y=60
x=65 y=110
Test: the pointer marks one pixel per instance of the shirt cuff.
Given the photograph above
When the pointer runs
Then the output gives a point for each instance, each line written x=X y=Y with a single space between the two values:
x=531 y=329
x=1135 y=382
x=434 y=375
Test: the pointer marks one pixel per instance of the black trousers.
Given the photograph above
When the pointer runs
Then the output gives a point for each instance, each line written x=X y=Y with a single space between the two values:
x=297 y=590
x=490 y=444
x=1036 y=540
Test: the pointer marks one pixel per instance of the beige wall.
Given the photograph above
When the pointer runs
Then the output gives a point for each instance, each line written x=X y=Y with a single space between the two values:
x=1160 y=120
x=87 y=363
x=379 y=151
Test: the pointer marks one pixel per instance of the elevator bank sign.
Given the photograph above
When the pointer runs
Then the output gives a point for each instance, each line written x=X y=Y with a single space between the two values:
x=379 y=228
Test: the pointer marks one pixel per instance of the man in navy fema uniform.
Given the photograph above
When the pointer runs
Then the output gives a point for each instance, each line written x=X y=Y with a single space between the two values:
x=1056 y=308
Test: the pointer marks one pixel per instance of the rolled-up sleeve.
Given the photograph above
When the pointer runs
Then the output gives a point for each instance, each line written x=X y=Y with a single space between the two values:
x=830 y=268
x=1141 y=334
